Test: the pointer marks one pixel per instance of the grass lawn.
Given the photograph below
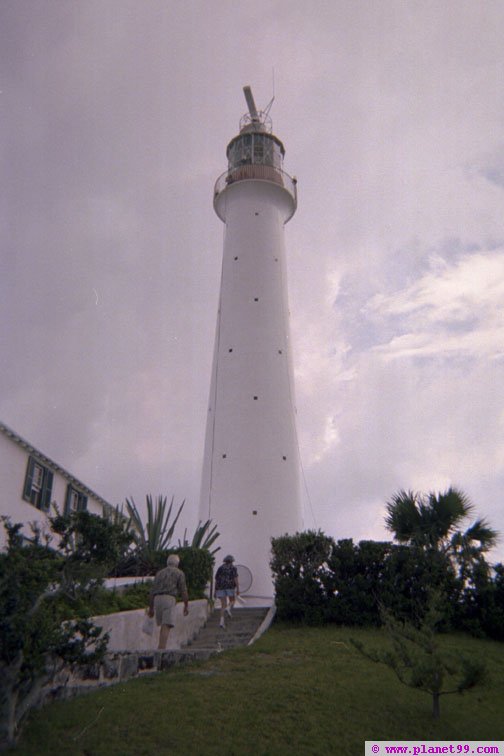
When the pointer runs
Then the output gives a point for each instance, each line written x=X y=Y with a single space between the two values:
x=295 y=691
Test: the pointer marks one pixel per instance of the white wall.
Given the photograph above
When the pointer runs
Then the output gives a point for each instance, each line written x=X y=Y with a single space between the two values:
x=13 y=466
x=126 y=634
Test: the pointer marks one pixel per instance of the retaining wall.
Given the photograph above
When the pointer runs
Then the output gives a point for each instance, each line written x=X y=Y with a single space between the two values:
x=130 y=652
x=126 y=634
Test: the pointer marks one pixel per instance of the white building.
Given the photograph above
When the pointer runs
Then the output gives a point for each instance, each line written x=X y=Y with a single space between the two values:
x=30 y=482
x=250 y=483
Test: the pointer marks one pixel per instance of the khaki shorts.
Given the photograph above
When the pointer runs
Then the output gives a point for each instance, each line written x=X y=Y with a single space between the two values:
x=164 y=609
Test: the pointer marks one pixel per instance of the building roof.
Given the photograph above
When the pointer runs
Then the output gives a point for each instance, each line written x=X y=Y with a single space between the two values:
x=47 y=462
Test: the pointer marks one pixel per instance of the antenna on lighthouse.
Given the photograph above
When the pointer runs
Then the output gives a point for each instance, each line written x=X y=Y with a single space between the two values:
x=268 y=106
x=250 y=103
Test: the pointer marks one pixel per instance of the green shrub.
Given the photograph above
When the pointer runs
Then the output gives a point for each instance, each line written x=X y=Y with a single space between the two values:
x=318 y=580
x=299 y=566
x=140 y=563
x=371 y=573
x=481 y=610
x=91 y=545
x=197 y=566
x=106 y=601
x=34 y=643
x=356 y=582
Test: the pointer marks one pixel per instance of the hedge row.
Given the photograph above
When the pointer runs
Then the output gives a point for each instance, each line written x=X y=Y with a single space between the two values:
x=318 y=580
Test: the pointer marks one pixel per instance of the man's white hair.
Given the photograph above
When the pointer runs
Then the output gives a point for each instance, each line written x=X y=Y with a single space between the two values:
x=173 y=560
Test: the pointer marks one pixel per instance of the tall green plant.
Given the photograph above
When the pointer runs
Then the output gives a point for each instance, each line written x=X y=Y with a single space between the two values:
x=431 y=521
x=299 y=567
x=204 y=537
x=157 y=531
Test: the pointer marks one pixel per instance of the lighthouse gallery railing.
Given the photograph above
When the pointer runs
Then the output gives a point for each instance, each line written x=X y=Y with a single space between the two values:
x=259 y=172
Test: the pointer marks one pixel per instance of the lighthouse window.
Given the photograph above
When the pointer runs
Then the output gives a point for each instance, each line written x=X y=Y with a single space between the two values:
x=241 y=151
x=263 y=149
x=258 y=149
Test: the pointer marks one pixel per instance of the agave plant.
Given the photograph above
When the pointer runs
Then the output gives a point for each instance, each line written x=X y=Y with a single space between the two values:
x=157 y=531
x=203 y=537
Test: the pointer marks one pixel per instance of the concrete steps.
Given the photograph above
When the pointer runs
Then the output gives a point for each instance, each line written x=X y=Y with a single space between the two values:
x=239 y=630
x=211 y=640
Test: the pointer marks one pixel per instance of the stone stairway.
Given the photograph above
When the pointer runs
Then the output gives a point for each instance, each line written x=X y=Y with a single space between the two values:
x=239 y=631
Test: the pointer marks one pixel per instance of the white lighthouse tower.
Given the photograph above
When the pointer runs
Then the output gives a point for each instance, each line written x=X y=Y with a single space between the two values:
x=250 y=484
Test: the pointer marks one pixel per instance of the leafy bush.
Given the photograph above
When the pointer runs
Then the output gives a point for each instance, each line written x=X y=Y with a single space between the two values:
x=356 y=580
x=481 y=609
x=410 y=576
x=107 y=601
x=90 y=545
x=34 y=643
x=299 y=566
x=140 y=563
x=197 y=566
x=318 y=580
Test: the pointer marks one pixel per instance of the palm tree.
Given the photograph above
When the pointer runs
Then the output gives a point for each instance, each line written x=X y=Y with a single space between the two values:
x=469 y=548
x=426 y=520
x=431 y=522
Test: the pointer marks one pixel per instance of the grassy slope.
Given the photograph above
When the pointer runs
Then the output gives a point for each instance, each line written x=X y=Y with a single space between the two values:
x=296 y=691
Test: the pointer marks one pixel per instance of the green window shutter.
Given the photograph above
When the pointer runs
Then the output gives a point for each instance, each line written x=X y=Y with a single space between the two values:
x=29 y=480
x=82 y=503
x=68 y=499
x=45 y=500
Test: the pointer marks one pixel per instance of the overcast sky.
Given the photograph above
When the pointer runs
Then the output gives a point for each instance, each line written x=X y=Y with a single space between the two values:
x=115 y=116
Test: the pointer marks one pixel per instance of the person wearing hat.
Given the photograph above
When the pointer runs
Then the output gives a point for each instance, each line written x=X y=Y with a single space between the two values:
x=226 y=587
